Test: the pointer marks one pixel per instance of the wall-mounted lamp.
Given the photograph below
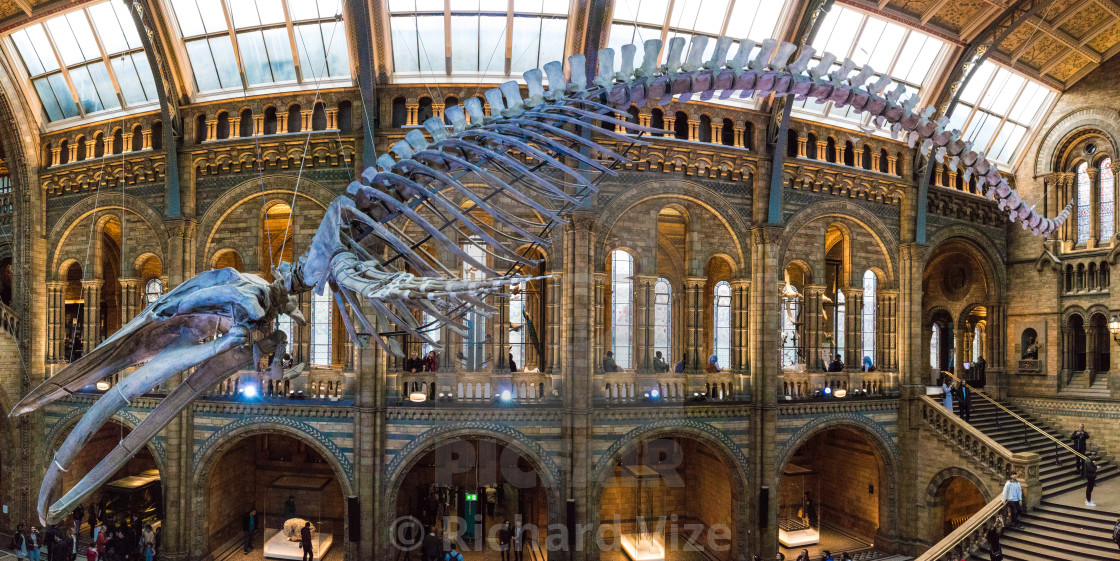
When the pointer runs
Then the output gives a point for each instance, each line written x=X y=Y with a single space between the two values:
x=1114 y=327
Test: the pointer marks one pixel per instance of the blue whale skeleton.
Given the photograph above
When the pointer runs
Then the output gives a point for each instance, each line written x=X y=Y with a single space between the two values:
x=499 y=180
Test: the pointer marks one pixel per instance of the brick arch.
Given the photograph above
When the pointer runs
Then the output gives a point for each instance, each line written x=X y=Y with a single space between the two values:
x=933 y=489
x=883 y=235
x=224 y=439
x=407 y=457
x=880 y=440
x=119 y=205
x=713 y=202
x=983 y=248
x=1100 y=118
x=273 y=186
x=714 y=438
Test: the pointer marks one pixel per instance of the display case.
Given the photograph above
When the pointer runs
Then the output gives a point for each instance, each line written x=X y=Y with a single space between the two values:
x=140 y=495
x=798 y=507
x=645 y=542
x=290 y=502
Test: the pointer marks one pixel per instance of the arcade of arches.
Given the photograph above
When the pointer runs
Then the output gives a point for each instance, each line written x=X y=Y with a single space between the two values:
x=736 y=347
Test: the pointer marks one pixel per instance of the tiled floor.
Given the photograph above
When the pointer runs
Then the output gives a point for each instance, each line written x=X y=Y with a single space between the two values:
x=831 y=540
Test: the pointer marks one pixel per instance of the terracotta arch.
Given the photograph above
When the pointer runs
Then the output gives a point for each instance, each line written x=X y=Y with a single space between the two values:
x=87 y=206
x=879 y=231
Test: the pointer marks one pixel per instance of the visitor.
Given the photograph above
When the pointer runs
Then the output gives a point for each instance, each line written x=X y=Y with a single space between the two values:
x=963 y=396
x=993 y=534
x=518 y=540
x=102 y=541
x=512 y=364
x=491 y=499
x=1090 y=478
x=19 y=543
x=1013 y=498
x=846 y=556
x=148 y=536
x=779 y=556
x=826 y=555
x=453 y=555
x=504 y=537
x=713 y=364
x=804 y=555
x=290 y=507
x=249 y=526
x=431 y=362
x=868 y=366
x=305 y=542
x=659 y=364
x=978 y=368
x=432 y=546
x=947 y=394
x=609 y=365
x=1116 y=533
x=836 y=365
x=149 y=552
x=1080 y=439
x=79 y=516
x=809 y=510
x=49 y=536
x=91 y=553
x=679 y=368
x=412 y=363
x=94 y=519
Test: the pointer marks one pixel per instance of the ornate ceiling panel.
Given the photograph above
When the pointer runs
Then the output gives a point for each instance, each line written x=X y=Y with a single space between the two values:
x=1085 y=21
x=956 y=15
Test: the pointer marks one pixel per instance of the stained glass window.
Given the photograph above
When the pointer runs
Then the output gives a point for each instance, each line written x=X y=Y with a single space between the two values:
x=662 y=318
x=722 y=343
x=908 y=56
x=622 y=307
x=73 y=61
x=840 y=317
x=870 y=282
x=264 y=35
x=485 y=36
x=997 y=107
x=474 y=341
x=935 y=347
x=1108 y=202
x=153 y=289
x=517 y=325
x=321 y=329
x=1084 y=204
x=976 y=343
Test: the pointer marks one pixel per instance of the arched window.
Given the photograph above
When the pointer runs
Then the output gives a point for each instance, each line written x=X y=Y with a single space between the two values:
x=474 y=341
x=1108 y=201
x=870 y=282
x=662 y=318
x=1084 y=210
x=841 y=318
x=320 y=329
x=935 y=347
x=722 y=316
x=284 y=323
x=517 y=328
x=791 y=304
x=977 y=342
x=153 y=289
x=622 y=307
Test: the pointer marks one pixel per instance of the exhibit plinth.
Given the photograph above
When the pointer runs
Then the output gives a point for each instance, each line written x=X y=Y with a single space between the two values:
x=278 y=546
x=643 y=548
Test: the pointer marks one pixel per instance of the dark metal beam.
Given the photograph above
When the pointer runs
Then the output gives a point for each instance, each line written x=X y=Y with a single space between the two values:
x=964 y=68
x=168 y=95
x=362 y=32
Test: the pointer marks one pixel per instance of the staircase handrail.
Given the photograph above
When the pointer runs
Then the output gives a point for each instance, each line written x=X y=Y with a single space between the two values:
x=978 y=445
x=960 y=543
x=1016 y=416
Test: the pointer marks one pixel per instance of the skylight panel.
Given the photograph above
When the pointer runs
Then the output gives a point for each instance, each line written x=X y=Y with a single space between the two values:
x=486 y=37
x=85 y=61
x=997 y=109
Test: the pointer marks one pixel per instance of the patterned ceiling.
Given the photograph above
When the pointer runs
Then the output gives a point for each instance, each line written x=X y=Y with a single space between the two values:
x=1069 y=40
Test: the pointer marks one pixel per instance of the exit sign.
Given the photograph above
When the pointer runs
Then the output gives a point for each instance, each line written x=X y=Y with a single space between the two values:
x=472 y=496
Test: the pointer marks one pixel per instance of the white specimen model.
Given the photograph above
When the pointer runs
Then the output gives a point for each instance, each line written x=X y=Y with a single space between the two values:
x=501 y=181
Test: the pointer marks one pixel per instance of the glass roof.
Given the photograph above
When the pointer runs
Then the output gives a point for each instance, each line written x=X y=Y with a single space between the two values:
x=487 y=39
x=997 y=109
x=636 y=21
x=266 y=38
x=908 y=56
x=85 y=61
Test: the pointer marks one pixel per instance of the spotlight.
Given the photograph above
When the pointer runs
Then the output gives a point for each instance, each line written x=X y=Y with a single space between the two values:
x=418 y=397
x=827 y=391
x=506 y=396
x=250 y=391
x=103 y=385
x=654 y=394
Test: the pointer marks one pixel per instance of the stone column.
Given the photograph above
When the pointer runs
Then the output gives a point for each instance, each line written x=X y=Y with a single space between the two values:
x=892 y=165
x=413 y=111
x=281 y=122
x=332 y=117
x=554 y=294
x=643 y=322
x=822 y=150
x=740 y=307
x=694 y=323
x=126 y=142
x=305 y=124
x=73 y=152
x=147 y=139
x=875 y=160
x=959 y=354
x=55 y=151
x=91 y=314
x=56 y=321
x=258 y=125
x=670 y=122
x=717 y=132
x=887 y=330
x=765 y=365
x=740 y=137
x=693 y=129
x=91 y=149
x=854 y=320
x=600 y=337
x=211 y=131
x=235 y=127
x=802 y=146
x=813 y=327
x=857 y=156
x=131 y=295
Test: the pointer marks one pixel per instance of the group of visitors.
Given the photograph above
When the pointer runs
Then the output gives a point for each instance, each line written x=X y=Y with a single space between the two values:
x=826 y=555
x=109 y=540
x=427 y=363
x=960 y=393
x=659 y=363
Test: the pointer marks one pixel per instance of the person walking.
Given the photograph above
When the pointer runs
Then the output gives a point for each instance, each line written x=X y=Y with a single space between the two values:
x=454 y=554
x=33 y=544
x=993 y=534
x=504 y=536
x=102 y=541
x=1090 y=478
x=518 y=540
x=948 y=391
x=19 y=543
x=1013 y=498
x=432 y=546
x=305 y=542
x=249 y=526
x=1080 y=440
x=964 y=396
x=79 y=516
